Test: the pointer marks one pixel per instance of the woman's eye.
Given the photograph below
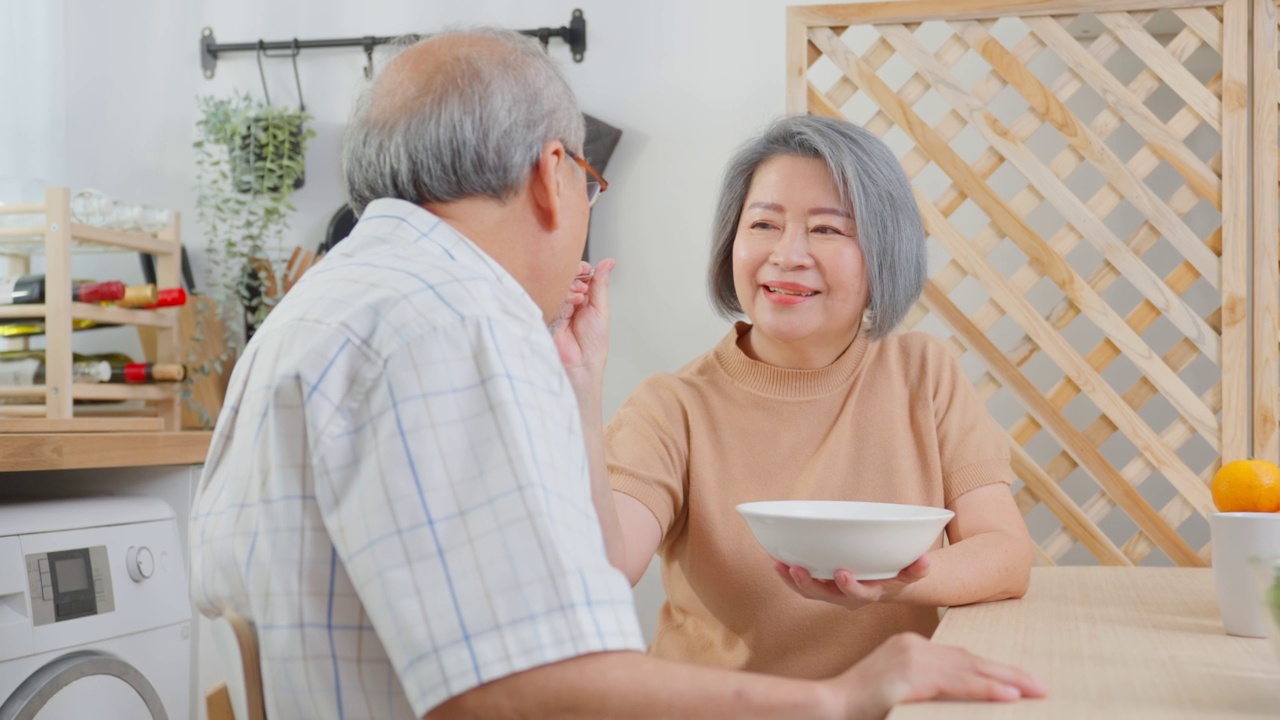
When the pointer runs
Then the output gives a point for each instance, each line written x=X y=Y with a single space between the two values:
x=761 y=225
x=826 y=230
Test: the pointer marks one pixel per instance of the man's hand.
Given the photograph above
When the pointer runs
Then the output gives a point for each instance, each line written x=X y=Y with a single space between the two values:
x=581 y=330
x=908 y=668
x=846 y=590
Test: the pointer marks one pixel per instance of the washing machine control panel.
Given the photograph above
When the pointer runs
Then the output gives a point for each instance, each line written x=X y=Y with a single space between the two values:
x=69 y=584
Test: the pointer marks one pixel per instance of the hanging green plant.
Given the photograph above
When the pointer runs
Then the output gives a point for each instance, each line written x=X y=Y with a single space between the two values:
x=249 y=159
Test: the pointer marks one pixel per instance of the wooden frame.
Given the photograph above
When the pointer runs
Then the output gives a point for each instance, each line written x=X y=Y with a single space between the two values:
x=1200 y=298
x=1266 y=232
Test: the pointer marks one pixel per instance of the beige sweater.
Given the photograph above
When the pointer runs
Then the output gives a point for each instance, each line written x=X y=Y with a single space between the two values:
x=892 y=420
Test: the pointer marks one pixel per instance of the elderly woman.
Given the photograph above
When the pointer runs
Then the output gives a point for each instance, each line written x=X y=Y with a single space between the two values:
x=818 y=243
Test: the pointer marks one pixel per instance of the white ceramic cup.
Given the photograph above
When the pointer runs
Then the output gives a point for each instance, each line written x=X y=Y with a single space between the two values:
x=1236 y=537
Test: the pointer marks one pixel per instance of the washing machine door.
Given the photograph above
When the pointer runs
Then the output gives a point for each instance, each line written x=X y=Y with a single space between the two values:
x=84 y=684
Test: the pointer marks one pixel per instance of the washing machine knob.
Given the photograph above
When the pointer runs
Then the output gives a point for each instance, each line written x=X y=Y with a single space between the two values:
x=140 y=562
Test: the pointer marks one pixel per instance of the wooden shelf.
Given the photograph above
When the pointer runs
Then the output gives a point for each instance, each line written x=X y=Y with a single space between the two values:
x=79 y=451
x=104 y=314
x=51 y=408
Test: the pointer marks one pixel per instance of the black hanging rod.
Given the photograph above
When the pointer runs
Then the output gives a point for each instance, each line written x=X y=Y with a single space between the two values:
x=574 y=35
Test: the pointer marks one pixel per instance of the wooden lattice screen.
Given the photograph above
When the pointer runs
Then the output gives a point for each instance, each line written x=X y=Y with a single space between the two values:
x=1083 y=168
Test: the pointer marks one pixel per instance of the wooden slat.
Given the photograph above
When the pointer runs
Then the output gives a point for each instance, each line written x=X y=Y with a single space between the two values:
x=107 y=426
x=904 y=11
x=57 y=291
x=21 y=232
x=1085 y=453
x=120 y=391
x=1266 y=229
x=1072 y=517
x=168 y=339
x=797 y=64
x=1203 y=23
x=1236 y=440
x=1138 y=273
x=108 y=315
x=21 y=209
x=1047 y=104
x=1201 y=178
x=105 y=314
x=1175 y=74
x=122 y=240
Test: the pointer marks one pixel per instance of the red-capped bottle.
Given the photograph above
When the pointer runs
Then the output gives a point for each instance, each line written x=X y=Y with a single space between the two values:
x=29 y=290
x=136 y=372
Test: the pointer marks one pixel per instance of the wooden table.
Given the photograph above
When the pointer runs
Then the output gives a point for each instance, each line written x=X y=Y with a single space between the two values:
x=1115 y=643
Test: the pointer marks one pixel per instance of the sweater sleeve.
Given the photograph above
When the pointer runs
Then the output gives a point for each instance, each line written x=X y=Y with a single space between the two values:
x=647 y=448
x=972 y=446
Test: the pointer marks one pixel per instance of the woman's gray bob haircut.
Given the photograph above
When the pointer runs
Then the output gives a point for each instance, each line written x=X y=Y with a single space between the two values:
x=875 y=191
x=473 y=130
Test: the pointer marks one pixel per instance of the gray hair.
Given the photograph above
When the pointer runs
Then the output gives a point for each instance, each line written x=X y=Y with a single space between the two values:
x=476 y=133
x=874 y=189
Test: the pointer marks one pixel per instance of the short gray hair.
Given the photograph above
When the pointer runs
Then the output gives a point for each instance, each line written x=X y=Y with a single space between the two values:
x=477 y=133
x=874 y=189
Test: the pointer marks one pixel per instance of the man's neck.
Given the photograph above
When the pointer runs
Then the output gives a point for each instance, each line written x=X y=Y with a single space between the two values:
x=505 y=232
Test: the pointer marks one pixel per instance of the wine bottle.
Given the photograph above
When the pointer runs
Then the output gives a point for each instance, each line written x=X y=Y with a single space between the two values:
x=27 y=367
x=29 y=290
x=145 y=297
x=30 y=371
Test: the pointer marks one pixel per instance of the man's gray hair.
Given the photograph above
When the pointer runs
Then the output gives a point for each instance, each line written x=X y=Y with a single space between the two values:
x=476 y=133
x=873 y=188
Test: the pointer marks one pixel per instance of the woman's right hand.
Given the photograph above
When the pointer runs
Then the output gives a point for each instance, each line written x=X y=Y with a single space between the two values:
x=909 y=668
x=906 y=668
x=581 y=331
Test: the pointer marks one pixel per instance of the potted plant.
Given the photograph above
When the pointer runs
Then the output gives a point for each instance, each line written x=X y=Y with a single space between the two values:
x=249 y=159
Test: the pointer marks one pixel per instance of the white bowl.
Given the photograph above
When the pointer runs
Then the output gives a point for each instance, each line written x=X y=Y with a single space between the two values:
x=874 y=541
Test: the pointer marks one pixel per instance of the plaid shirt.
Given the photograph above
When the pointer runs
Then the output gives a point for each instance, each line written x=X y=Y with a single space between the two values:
x=397 y=492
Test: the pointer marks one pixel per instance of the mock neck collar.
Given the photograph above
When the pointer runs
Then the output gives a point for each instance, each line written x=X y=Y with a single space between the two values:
x=786 y=383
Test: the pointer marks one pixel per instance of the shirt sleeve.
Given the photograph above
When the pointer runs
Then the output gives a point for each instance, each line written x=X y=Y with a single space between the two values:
x=647 y=450
x=453 y=481
x=973 y=448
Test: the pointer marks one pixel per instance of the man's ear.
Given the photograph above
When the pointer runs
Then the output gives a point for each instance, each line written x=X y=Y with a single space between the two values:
x=545 y=185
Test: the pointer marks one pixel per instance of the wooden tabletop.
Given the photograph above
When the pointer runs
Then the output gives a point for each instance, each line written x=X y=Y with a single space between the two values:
x=75 y=451
x=1115 y=643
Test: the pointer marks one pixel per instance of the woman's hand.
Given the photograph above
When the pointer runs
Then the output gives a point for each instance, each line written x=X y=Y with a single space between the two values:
x=845 y=590
x=581 y=330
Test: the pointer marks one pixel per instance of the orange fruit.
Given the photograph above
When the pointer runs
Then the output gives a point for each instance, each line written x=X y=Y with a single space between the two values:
x=1247 y=486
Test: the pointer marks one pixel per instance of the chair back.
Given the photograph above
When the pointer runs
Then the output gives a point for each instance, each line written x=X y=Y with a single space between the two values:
x=242 y=695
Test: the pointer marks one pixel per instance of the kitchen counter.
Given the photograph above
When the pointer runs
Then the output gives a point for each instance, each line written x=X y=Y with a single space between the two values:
x=1115 y=643
x=74 y=451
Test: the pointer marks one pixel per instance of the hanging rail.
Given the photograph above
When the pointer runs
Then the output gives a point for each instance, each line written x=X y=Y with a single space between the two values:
x=574 y=35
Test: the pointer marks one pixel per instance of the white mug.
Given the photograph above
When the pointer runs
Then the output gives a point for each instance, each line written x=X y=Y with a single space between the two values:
x=1236 y=536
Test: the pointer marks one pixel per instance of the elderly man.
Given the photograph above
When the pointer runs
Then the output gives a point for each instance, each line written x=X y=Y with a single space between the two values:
x=400 y=494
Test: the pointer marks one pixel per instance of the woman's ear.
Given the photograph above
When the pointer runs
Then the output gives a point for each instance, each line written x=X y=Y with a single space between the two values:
x=546 y=182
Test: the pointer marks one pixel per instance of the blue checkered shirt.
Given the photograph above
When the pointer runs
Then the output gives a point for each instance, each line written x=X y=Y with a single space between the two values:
x=397 y=491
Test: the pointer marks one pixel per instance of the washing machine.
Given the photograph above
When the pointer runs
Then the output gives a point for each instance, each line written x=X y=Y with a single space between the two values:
x=95 y=620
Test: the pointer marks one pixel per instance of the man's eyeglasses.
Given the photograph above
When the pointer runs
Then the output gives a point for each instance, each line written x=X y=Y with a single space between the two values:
x=596 y=183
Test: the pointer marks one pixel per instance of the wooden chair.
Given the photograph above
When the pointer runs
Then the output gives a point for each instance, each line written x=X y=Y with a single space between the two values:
x=241 y=697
